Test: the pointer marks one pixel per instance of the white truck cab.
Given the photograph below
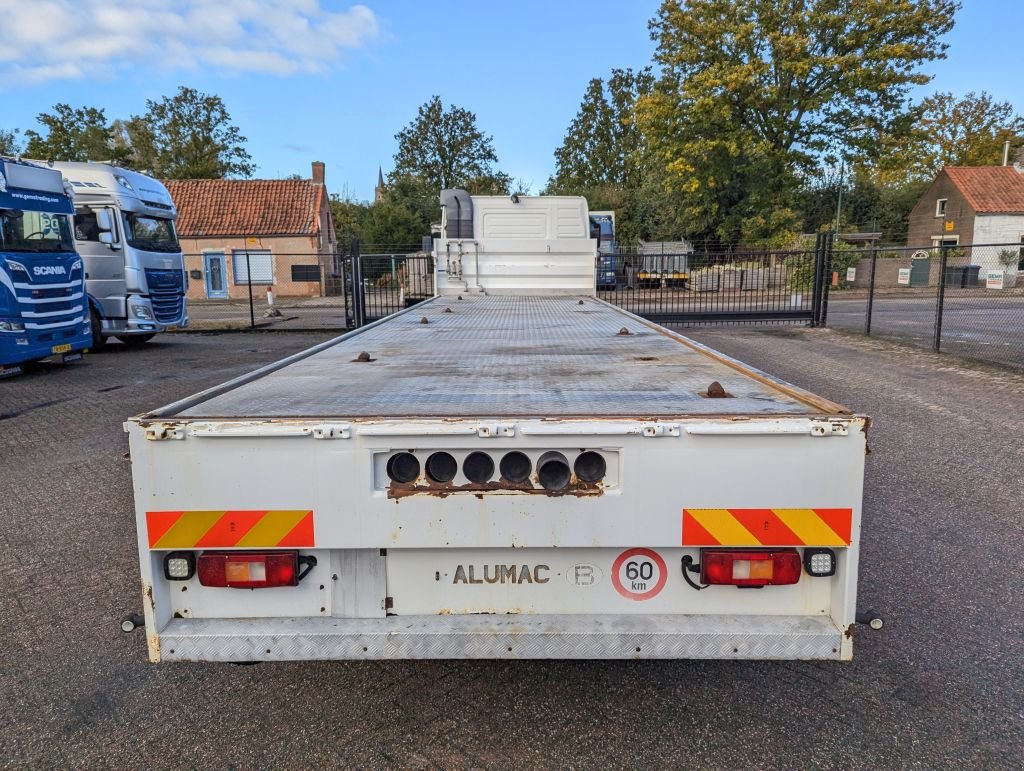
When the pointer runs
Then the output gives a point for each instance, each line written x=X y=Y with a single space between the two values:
x=124 y=231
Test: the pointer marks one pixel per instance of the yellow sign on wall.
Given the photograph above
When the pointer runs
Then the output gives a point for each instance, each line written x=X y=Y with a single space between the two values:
x=950 y=224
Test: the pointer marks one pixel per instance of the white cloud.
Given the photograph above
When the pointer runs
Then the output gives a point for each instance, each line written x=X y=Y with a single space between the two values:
x=68 y=39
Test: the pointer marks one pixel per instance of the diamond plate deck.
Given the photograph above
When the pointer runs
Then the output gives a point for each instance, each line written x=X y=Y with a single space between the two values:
x=503 y=356
x=503 y=637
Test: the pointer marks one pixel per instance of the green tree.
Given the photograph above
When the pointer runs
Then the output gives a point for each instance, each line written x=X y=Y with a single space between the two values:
x=348 y=216
x=9 y=144
x=72 y=134
x=187 y=136
x=388 y=226
x=602 y=146
x=601 y=156
x=445 y=149
x=947 y=131
x=753 y=92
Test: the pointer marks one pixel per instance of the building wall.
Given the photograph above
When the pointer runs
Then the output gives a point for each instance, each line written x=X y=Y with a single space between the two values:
x=996 y=229
x=285 y=250
x=924 y=225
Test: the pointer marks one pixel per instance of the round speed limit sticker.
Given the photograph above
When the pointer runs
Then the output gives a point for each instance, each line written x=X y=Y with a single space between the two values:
x=639 y=574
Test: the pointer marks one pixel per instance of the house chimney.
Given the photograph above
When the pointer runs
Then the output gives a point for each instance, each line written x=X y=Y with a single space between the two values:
x=1006 y=152
x=318 y=172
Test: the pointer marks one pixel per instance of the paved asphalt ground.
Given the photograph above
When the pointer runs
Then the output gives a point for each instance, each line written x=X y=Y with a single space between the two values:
x=941 y=686
x=988 y=328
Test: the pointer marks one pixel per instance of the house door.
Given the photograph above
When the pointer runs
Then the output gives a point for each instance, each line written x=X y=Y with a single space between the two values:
x=216 y=276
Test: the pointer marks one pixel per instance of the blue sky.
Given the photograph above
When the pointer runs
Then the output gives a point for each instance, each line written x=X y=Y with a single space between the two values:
x=326 y=80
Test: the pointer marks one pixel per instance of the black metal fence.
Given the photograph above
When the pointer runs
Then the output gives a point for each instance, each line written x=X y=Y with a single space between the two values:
x=234 y=289
x=960 y=299
x=702 y=287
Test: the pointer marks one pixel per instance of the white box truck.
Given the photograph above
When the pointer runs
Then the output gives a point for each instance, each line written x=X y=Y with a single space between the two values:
x=511 y=469
x=124 y=231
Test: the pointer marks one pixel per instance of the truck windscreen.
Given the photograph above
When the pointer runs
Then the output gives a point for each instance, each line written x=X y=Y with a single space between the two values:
x=33 y=231
x=151 y=234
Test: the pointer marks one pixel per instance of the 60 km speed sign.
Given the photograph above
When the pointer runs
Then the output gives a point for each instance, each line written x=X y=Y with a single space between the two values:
x=639 y=574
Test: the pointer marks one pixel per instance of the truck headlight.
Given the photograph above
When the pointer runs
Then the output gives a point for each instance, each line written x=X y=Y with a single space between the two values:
x=11 y=326
x=141 y=311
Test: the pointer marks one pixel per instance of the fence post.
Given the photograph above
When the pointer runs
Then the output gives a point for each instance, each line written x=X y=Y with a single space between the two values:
x=343 y=262
x=940 y=300
x=248 y=275
x=826 y=278
x=818 y=277
x=358 y=290
x=871 y=291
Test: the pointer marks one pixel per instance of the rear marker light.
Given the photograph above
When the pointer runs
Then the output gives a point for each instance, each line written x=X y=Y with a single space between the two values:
x=179 y=566
x=749 y=568
x=253 y=570
x=820 y=563
x=403 y=467
x=441 y=467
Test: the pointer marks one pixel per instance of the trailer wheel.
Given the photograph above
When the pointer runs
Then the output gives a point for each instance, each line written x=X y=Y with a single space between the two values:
x=98 y=340
x=134 y=341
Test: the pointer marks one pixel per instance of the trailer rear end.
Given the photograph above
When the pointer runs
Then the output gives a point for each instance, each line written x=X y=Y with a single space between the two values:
x=500 y=475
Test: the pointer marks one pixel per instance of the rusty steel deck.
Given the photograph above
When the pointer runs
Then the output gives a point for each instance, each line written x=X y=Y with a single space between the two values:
x=504 y=356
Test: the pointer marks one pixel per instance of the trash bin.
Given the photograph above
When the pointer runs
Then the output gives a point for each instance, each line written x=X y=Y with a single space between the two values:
x=955 y=276
x=971 y=275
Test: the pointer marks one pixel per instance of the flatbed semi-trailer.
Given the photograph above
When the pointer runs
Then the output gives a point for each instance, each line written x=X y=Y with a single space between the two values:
x=500 y=476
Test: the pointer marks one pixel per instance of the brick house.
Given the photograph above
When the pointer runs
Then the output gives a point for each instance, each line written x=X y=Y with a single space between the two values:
x=280 y=230
x=967 y=205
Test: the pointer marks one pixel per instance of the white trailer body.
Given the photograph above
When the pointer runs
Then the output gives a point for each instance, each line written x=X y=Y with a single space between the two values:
x=515 y=478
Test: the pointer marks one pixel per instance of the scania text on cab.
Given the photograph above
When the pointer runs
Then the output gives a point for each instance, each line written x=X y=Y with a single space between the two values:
x=43 y=311
x=124 y=229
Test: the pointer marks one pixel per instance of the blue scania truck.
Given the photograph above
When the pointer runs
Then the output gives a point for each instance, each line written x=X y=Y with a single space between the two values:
x=43 y=307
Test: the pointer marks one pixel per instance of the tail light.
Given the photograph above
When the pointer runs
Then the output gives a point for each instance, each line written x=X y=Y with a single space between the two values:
x=750 y=568
x=253 y=570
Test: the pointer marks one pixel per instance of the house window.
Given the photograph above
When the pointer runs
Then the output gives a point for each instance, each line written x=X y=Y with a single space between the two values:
x=306 y=273
x=940 y=207
x=260 y=261
x=1020 y=255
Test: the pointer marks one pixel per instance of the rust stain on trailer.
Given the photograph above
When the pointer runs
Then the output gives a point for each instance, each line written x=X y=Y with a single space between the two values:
x=152 y=638
x=576 y=488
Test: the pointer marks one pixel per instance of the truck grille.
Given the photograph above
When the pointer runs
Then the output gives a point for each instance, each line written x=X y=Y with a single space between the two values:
x=53 y=306
x=165 y=293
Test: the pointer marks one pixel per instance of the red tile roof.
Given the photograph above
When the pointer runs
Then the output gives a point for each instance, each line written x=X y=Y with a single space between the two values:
x=990 y=189
x=246 y=207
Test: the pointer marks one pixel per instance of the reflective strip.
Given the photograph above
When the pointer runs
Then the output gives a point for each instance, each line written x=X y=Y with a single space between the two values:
x=244 y=529
x=767 y=527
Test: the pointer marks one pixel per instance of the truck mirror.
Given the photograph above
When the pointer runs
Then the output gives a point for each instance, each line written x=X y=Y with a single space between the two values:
x=106 y=237
x=104 y=222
